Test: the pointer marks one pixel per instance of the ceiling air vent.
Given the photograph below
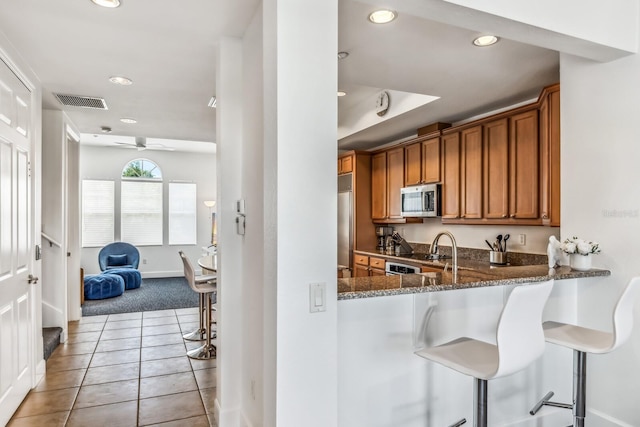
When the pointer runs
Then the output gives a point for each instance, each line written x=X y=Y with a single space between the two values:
x=82 y=101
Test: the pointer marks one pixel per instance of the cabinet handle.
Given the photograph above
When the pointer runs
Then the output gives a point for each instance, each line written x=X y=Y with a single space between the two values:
x=545 y=216
x=512 y=215
x=462 y=216
x=504 y=216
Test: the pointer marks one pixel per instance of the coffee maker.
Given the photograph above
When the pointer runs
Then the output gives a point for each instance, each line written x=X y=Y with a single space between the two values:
x=383 y=234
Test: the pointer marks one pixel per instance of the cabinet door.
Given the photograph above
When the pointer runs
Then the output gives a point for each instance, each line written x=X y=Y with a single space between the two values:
x=496 y=169
x=431 y=160
x=524 y=162
x=360 y=271
x=395 y=179
x=345 y=165
x=412 y=164
x=471 y=173
x=379 y=186
x=550 y=159
x=451 y=176
x=377 y=272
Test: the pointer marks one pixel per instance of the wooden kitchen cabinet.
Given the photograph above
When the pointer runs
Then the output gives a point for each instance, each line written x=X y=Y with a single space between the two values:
x=379 y=186
x=387 y=178
x=496 y=169
x=345 y=164
x=451 y=176
x=369 y=266
x=413 y=164
x=524 y=151
x=395 y=179
x=471 y=173
x=422 y=161
x=431 y=160
x=550 y=156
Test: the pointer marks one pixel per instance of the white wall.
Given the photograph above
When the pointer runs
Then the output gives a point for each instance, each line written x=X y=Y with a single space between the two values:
x=200 y=168
x=600 y=175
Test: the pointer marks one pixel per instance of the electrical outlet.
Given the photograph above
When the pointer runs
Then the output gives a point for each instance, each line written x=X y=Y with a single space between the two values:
x=144 y=260
x=522 y=239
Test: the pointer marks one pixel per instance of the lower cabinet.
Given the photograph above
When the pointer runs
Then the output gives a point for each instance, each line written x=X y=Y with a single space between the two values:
x=368 y=266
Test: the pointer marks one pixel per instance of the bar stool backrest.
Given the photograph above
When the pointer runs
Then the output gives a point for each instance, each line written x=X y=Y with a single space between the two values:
x=189 y=272
x=519 y=336
x=623 y=313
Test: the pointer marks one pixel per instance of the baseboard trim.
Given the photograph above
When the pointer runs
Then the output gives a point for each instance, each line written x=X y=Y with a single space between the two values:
x=230 y=417
x=41 y=369
x=161 y=274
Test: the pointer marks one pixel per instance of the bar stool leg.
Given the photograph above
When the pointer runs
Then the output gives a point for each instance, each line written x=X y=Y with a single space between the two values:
x=208 y=350
x=480 y=402
x=579 y=387
x=198 y=334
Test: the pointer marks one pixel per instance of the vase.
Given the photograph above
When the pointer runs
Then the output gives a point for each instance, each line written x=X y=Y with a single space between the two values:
x=580 y=262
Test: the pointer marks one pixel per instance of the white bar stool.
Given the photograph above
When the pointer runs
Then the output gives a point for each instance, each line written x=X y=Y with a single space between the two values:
x=205 y=289
x=519 y=342
x=584 y=340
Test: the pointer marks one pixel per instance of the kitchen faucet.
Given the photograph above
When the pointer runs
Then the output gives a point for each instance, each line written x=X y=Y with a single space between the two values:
x=454 y=249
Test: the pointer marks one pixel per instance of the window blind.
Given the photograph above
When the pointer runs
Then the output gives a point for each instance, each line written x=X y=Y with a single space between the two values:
x=97 y=213
x=182 y=214
x=141 y=213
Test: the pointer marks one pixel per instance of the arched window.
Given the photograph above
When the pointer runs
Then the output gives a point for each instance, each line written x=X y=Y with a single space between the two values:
x=141 y=203
x=141 y=168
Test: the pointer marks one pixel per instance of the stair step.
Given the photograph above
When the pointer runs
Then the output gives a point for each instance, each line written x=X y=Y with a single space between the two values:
x=51 y=340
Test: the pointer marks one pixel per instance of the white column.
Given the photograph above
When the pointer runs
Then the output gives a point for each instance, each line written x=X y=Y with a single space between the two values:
x=300 y=69
x=229 y=181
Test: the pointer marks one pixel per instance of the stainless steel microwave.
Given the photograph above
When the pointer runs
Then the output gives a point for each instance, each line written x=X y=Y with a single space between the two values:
x=421 y=201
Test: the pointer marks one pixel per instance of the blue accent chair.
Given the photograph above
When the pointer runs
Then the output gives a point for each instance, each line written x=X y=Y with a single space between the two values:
x=118 y=255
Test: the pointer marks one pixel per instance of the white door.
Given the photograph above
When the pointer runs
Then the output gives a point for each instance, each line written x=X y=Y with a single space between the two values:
x=16 y=329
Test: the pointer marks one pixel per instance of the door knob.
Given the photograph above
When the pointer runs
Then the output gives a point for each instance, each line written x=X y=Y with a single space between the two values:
x=32 y=280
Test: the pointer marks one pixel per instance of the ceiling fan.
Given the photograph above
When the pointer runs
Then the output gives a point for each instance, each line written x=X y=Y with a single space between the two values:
x=141 y=144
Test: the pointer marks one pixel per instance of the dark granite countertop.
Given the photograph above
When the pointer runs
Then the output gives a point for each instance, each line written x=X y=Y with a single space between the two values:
x=471 y=274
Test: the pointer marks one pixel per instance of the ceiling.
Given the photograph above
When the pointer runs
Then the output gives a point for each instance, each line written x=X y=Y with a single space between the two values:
x=169 y=51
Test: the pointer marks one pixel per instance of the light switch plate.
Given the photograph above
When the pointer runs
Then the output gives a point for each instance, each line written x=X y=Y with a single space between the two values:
x=317 y=297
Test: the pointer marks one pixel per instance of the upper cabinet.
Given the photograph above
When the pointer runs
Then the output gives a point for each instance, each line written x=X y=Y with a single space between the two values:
x=422 y=161
x=387 y=178
x=550 y=156
x=503 y=169
x=345 y=164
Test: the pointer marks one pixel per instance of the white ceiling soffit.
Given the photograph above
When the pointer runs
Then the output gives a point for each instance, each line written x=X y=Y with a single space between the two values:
x=160 y=144
x=362 y=115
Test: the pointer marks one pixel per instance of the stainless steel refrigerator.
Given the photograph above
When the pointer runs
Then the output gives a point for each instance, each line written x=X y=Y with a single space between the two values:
x=345 y=220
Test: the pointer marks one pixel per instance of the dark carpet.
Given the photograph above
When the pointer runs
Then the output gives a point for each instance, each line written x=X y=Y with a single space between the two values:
x=153 y=294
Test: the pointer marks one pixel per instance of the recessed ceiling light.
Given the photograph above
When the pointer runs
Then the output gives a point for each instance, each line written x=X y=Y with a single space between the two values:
x=342 y=93
x=342 y=55
x=382 y=16
x=105 y=129
x=107 y=3
x=120 y=80
x=128 y=120
x=483 y=41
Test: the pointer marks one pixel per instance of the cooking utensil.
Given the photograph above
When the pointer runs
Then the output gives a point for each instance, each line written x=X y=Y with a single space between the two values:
x=488 y=244
x=499 y=240
x=506 y=237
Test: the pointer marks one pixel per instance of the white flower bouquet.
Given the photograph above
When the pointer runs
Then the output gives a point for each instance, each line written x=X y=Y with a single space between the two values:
x=578 y=246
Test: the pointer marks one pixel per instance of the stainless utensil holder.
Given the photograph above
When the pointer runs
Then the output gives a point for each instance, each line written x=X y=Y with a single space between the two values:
x=497 y=257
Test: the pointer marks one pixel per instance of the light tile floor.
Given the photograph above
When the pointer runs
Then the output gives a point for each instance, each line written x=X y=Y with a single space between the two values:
x=127 y=370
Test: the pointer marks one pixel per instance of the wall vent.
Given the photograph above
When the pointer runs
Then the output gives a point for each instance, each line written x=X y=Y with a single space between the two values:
x=82 y=101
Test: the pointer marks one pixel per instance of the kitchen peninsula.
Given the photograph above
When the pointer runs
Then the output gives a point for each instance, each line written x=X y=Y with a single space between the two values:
x=382 y=320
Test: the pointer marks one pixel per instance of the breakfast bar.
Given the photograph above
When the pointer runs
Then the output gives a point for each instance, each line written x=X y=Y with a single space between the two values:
x=383 y=320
